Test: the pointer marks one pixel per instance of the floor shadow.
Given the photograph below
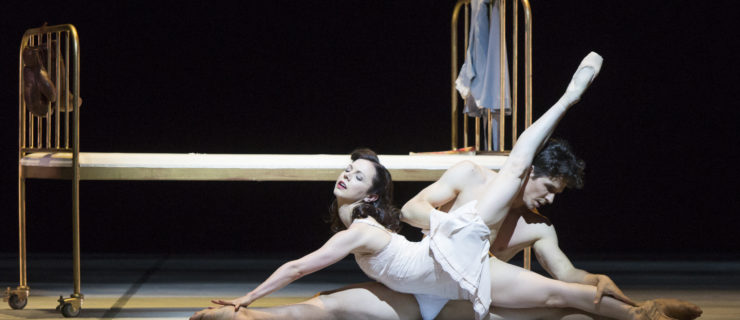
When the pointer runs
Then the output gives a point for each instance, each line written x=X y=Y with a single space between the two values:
x=117 y=307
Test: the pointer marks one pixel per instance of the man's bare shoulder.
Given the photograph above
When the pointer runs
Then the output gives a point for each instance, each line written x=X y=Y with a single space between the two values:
x=467 y=171
x=536 y=227
x=534 y=217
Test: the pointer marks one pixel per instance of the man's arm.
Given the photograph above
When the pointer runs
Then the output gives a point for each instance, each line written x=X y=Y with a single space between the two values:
x=417 y=210
x=557 y=264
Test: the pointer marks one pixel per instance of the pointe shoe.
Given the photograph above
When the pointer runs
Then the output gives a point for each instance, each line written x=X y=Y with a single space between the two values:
x=650 y=310
x=679 y=309
x=584 y=76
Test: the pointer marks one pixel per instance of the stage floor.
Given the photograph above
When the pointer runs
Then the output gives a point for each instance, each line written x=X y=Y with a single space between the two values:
x=174 y=287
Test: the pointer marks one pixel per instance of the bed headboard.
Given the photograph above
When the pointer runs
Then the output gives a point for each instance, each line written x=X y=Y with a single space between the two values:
x=49 y=90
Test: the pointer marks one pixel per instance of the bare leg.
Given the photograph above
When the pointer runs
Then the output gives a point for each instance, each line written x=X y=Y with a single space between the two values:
x=514 y=287
x=542 y=314
x=494 y=204
x=460 y=309
x=369 y=300
x=373 y=300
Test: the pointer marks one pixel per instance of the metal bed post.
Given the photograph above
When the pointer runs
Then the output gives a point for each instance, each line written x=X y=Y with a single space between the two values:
x=527 y=62
x=527 y=263
x=453 y=44
x=18 y=298
x=465 y=119
x=73 y=304
x=502 y=77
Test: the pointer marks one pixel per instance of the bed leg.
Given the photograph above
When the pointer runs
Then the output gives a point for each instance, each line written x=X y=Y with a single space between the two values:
x=18 y=298
x=71 y=307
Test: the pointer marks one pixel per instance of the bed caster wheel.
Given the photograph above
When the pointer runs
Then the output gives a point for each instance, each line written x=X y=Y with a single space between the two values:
x=70 y=311
x=70 y=307
x=17 y=298
x=16 y=302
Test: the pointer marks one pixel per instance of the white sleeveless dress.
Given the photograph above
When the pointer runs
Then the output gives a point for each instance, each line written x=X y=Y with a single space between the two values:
x=451 y=263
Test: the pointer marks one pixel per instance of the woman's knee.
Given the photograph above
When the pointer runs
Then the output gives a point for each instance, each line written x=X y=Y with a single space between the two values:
x=555 y=299
x=514 y=287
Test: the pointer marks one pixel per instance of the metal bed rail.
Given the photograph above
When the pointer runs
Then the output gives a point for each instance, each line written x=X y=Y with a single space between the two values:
x=464 y=5
x=57 y=130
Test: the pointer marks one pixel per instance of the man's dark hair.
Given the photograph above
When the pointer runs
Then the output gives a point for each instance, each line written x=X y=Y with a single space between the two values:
x=557 y=160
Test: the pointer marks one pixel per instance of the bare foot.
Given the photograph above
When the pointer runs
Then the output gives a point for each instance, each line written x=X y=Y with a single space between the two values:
x=679 y=309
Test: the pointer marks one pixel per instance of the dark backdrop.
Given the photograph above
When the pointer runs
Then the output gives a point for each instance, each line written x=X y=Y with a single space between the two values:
x=657 y=128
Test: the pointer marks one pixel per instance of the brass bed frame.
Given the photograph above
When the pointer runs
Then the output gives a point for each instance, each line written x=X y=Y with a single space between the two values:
x=49 y=148
x=464 y=5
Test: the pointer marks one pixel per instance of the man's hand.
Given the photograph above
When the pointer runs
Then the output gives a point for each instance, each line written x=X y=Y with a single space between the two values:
x=605 y=286
x=237 y=303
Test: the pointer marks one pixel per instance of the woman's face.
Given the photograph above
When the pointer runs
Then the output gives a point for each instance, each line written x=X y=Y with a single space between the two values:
x=355 y=181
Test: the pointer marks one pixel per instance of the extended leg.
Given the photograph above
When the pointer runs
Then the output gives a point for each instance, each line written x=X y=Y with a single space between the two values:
x=373 y=300
x=370 y=300
x=500 y=193
x=514 y=287
x=461 y=309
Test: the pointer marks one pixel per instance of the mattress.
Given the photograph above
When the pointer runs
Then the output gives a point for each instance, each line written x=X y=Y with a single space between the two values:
x=256 y=167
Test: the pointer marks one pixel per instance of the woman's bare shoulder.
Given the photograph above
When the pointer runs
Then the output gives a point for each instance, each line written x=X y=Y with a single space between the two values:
x=372 y=237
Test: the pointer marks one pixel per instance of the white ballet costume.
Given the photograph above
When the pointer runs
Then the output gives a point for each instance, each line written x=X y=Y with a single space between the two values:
x=451 y=263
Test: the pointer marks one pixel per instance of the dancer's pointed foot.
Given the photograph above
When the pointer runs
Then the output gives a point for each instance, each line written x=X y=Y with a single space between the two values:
x=584 y=76
x=679 y=309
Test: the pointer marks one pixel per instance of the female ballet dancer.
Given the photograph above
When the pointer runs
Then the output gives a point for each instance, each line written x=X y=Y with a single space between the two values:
x=365 y=222
x=451 y=263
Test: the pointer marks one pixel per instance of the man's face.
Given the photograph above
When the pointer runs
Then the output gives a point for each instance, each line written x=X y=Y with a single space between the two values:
x=541 y=191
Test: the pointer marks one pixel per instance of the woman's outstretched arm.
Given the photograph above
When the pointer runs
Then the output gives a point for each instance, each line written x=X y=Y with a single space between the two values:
x=339 y=246
x=494 y=205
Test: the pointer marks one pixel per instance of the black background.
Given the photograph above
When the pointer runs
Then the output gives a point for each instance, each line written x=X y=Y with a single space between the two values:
x=657 y=128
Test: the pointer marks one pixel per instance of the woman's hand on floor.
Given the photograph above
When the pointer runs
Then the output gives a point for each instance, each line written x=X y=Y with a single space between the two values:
x=237 y=303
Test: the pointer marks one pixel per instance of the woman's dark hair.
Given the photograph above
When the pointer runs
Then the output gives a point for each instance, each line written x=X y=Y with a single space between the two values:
x=382 y=209
x=557 y=160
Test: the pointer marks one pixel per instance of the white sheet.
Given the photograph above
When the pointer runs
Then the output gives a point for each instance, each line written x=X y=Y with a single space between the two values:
x=252 y=161
x=195 y=166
